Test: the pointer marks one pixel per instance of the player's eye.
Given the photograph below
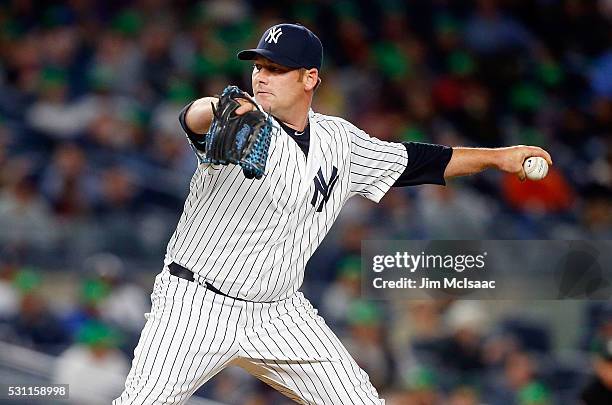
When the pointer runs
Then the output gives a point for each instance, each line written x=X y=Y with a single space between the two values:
x=270 y=68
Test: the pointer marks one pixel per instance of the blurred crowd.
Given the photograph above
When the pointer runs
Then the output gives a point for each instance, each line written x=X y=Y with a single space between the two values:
x=92 y=159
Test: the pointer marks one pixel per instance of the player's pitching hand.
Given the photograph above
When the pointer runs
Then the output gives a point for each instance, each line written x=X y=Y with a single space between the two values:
x=511 y=159
x=245 y=106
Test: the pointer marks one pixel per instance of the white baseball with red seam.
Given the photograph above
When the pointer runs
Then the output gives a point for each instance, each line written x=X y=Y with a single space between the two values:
x=536 y=168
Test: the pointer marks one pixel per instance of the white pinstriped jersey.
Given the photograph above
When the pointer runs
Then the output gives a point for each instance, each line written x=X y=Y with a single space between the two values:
x=251 y=239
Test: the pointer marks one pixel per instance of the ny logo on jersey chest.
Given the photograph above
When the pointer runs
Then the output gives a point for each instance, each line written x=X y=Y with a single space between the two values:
x=324 y=188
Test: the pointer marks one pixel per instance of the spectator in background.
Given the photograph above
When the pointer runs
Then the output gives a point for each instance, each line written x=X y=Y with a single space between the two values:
x=125 y=303
x=454 y=213
x=519 y=384
x=157 y=64
x=327 y=260
x=22 y=63
x=367 y=342
x=114 y=130
x=22 y=210
x=490 y=31
x=597 y=213
x=118 y=203
x=35 y=325
x=397 y=219
x=91 y=292
x=117 y=192
x=93 y=368
x=172 y=158
x=115 y=119
x=54 y=114
x=339 y=296
x=67 y=183
x=462 y=352
x=116 y=57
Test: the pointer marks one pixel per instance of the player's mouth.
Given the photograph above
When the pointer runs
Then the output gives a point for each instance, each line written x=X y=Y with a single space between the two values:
x=263 y=92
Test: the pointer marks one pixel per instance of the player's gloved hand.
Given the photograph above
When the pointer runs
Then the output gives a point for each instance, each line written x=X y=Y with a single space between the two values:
x=239 y=134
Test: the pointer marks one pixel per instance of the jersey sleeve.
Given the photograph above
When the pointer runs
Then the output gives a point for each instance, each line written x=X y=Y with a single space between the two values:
x=196 y=141
x=375 y=164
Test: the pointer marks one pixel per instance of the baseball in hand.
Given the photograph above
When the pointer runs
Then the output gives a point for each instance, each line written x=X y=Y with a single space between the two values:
x=536 y=168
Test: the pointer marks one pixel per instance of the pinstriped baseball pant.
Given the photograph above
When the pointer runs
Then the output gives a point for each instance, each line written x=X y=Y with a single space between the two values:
x=193 y=333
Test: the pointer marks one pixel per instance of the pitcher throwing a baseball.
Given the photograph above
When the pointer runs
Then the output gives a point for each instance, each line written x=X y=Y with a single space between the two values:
x=228 y=291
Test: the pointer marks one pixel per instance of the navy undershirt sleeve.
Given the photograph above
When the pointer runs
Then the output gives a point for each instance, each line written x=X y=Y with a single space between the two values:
x=196 y=139
x=426 y=164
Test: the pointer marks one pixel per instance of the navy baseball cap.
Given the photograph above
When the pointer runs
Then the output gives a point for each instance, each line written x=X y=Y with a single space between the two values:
x=290 y=45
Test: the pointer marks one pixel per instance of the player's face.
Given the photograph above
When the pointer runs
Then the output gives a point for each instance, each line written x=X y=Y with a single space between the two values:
x=276 y=87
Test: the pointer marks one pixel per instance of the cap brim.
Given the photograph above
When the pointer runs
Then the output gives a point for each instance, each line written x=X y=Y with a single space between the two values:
x=250 y=54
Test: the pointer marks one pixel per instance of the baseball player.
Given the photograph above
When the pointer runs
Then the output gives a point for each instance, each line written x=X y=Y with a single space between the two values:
x=228 y=292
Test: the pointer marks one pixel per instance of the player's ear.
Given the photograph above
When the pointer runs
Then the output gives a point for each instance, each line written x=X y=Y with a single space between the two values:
x=311 y=79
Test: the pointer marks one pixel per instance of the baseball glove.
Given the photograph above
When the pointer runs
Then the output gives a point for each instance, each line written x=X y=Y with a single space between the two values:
x=239 y=139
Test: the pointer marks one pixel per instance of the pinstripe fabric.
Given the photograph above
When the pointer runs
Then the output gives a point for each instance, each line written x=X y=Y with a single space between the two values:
x=251 y=239
x=191 y=334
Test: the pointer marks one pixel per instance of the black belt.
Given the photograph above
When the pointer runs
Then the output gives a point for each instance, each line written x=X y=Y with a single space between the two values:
x=186 y=274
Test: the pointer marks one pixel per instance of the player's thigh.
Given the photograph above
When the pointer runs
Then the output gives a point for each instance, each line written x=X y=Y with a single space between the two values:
x=298 y=354
x=189 y=336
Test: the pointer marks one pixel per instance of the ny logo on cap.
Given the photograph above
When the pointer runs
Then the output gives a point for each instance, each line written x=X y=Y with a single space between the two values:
x=273 y=35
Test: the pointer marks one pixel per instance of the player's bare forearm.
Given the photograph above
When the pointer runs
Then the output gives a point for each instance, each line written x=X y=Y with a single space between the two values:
x=200 y=115
x=467 y=161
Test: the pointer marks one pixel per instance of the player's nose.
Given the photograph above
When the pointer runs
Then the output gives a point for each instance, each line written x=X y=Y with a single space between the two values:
x=262 y=76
